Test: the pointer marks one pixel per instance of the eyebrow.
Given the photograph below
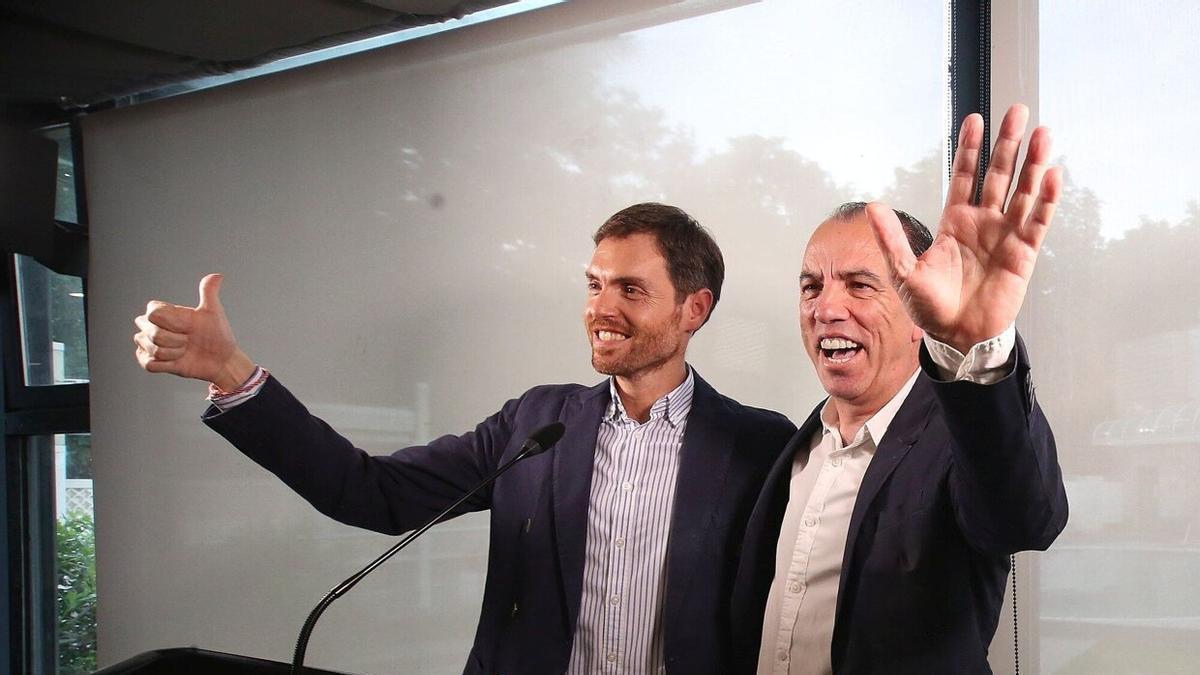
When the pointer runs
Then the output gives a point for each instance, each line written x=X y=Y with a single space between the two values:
x=859 y=274
x=619 y=281
x=847 y=274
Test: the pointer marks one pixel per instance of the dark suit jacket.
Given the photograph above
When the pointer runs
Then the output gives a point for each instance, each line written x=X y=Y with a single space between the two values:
x=965 y=475
x=538 y=509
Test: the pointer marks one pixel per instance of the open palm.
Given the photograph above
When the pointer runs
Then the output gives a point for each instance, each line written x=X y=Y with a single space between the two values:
x=970 y=284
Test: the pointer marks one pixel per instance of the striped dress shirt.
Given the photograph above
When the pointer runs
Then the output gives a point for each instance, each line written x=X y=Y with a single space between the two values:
x=629 y=518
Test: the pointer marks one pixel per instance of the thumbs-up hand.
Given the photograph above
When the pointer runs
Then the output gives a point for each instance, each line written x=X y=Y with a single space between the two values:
x=195 y=342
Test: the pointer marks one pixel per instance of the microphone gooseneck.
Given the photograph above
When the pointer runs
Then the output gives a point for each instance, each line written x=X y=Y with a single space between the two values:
x=538 y=442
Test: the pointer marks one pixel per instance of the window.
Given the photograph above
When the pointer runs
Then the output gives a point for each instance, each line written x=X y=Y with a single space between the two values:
x=75 y=554
x=53 y=330
x=1114 y=331
x=47 y=478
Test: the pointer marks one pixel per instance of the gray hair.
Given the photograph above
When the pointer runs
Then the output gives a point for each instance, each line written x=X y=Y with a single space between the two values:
x=919 y=238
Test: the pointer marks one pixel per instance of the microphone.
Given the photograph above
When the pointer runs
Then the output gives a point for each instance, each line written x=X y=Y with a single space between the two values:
x=538 y=442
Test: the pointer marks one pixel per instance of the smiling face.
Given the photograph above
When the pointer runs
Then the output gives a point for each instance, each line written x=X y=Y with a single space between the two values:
x=636 y=324
x=855 y=328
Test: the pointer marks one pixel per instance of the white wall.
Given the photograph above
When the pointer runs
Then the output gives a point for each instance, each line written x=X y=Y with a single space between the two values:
x=403 y=235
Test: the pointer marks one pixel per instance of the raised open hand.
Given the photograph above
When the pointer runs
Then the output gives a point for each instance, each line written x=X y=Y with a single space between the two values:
x=969 y=286
x=195 y=342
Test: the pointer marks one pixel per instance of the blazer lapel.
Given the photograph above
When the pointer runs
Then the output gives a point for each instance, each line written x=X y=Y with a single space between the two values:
x=756 y=569
x=708 y=443
x=762 y=532
x=571 y=490
x=902 y=433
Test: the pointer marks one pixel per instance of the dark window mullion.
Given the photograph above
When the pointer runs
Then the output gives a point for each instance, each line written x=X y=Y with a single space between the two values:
x=29 y=468
x=970 y=72
x=971 y=92
x=37 y=453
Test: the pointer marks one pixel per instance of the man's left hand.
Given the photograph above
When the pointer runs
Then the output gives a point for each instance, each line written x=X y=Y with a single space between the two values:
x=969 y=286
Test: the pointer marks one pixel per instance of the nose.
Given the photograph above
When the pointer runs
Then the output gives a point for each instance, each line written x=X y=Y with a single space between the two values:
x=830 y=306
x=600 y=304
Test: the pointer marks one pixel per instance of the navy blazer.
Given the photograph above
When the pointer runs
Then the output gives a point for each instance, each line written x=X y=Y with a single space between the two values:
x=965 y=475
x=538 y=509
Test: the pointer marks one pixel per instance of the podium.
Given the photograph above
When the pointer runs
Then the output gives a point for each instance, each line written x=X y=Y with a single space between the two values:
x=194 y=661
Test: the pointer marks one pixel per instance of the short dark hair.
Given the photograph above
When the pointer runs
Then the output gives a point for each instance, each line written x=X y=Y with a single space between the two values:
x=919 y=238
x=693 y=258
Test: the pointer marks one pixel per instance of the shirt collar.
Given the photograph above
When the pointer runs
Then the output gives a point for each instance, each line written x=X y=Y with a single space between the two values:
x=674 y=406
x=878 y=424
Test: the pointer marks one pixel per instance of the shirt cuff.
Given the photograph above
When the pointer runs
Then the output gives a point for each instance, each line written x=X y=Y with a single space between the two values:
x=987 y=362
x=224 y=400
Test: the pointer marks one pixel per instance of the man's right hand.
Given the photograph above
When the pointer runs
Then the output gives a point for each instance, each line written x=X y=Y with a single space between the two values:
x=195 y=342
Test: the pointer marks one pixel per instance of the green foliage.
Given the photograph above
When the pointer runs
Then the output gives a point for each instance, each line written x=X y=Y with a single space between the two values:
x=76 y=597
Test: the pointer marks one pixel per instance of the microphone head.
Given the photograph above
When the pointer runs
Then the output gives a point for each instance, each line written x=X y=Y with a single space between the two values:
x=542 y=439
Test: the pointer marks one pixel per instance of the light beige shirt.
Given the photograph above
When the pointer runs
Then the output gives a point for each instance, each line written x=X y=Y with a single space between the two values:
x=798 y=623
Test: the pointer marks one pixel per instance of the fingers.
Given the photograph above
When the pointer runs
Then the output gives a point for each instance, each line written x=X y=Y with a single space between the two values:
x=153 y=365
x=157 y=352
x=1035 y=227
x=892 y=241
x=1003 y=162
x=174 y=318
x=966 y=161
x=156 y=346
x=165 y=346
x=210 y=292
x=157 y=335
x=156 y=358
x=1037 y=160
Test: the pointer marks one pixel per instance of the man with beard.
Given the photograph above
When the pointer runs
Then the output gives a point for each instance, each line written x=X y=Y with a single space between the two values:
x=881 y=542
x=613 y=553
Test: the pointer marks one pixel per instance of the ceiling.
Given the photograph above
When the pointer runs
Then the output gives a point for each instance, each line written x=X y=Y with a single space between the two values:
x=58 y=57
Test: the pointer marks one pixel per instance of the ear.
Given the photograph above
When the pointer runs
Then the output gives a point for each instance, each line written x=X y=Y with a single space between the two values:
x=696 y=308
x=917 y=333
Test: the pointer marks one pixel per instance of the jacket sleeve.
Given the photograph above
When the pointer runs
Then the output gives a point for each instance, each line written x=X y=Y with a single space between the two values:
x=386 y=493
x=1005 y=481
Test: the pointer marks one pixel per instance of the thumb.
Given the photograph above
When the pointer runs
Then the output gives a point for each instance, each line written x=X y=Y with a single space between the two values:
x=210 y=293
x=889 y=234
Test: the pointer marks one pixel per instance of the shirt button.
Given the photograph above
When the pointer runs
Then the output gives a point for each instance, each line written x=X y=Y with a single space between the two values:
x=611 y=658
x=614 y=600
x=810 y=522
x=795 y=587
x=627 y=486
x=837 y=462
x=620 y=542
x=783 y=655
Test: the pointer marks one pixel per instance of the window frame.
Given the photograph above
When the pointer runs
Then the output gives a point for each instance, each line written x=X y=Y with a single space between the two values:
x=28 y=415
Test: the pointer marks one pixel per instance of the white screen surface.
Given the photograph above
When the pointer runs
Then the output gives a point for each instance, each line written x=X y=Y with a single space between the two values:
x=404 y=235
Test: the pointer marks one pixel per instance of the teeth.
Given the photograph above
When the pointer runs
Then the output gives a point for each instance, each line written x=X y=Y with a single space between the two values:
x=838 y=343
x=608 y=336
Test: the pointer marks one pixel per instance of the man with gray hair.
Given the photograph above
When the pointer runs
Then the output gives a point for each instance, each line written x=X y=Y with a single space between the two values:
x=881 y=541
